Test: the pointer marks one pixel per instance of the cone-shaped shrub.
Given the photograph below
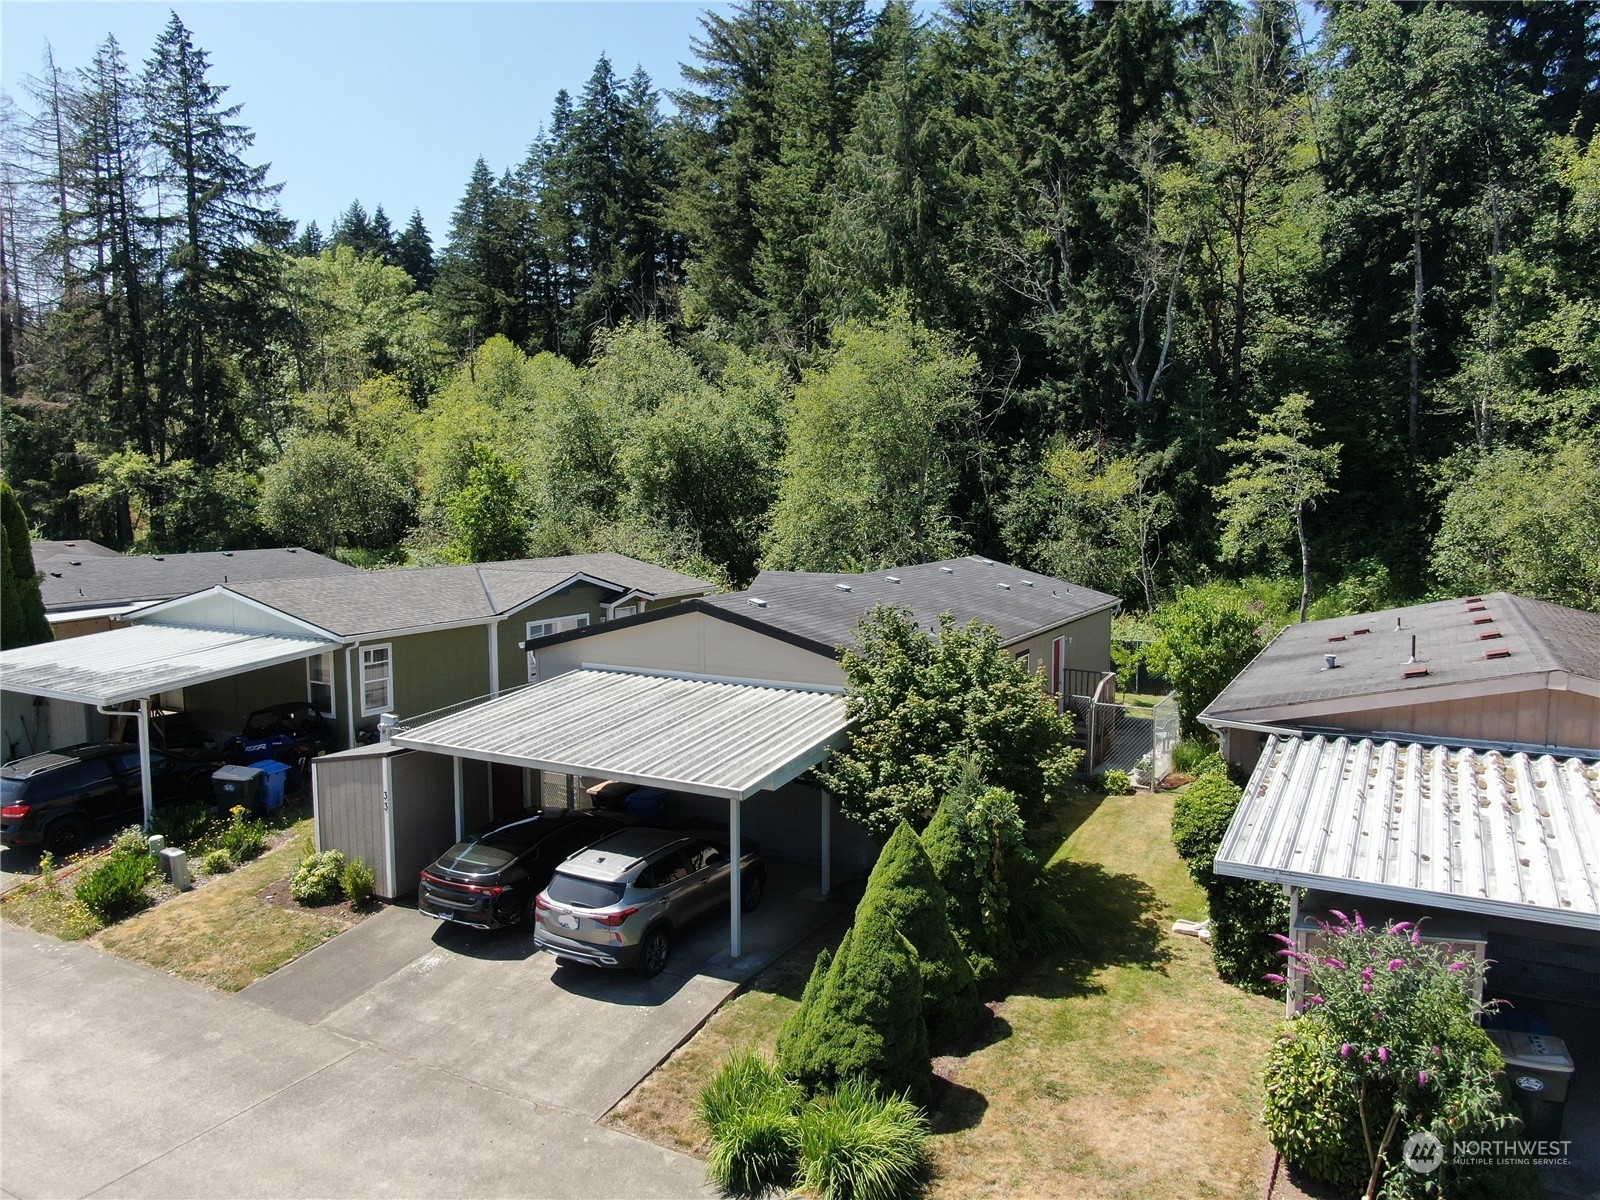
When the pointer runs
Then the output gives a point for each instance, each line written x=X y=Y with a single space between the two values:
x=792 y=1034
x=975 y=888
x=864 y=1021
x=904 y=893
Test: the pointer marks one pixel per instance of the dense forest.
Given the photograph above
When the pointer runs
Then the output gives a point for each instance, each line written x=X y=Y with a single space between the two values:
x=1142 y=295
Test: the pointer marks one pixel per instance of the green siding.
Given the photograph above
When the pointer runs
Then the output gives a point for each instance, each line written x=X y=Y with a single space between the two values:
x=221 y=706
x=569 y=602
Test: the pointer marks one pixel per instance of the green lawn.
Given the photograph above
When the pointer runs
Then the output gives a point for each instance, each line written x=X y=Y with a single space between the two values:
x=1126 y=1069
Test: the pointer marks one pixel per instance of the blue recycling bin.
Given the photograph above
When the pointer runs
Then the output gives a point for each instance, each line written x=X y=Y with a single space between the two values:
x=274 y=783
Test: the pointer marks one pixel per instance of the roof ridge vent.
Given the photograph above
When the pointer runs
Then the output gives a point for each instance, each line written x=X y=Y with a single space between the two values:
x=1027 y=583
x=893 y=578
x=756 y=600
x=948 y=570
x=988 y=562
x=1007 y=586
x=844 y=587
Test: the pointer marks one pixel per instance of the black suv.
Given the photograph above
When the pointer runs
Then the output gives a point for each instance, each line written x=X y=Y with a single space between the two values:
x=58 y=798
x=493 y=880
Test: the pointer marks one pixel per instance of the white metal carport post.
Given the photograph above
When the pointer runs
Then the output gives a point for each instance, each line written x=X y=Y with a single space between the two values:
x=736 y=850
x=144 y=763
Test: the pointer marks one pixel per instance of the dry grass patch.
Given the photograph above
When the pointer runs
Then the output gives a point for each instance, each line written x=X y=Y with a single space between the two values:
x=226 y=934
x=1125 y=1070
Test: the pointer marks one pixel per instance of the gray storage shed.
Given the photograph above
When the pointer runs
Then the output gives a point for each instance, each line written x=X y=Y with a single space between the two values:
x=393 y=808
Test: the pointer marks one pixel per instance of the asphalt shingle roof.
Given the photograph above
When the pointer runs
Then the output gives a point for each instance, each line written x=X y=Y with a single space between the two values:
x=102 y=580
x=1454 y=641
x=42 y=551
x=378 y=601
x=814 y=605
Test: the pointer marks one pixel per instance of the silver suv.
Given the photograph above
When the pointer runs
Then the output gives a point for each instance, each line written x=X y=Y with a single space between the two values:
x=620 y=902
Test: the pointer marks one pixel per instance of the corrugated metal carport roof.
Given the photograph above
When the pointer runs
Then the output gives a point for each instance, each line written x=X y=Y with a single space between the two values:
x=712 y=737
x=1512 y=835
x=143 y=660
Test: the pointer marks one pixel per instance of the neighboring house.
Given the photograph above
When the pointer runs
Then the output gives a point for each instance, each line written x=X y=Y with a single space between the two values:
x=1494 y=670
x=1440 y=761
x=86 y=587
x=409 y=641
x=789 y=626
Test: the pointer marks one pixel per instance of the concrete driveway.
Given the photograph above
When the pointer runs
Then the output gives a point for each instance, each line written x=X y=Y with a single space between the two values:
x=402 y=1058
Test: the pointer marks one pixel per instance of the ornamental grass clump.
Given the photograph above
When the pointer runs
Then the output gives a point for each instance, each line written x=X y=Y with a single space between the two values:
x=858 y=1145
x=1387 y=1045
x=753 y=1116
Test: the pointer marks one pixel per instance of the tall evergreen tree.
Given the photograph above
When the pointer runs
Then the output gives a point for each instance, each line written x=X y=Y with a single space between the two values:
x=224 y=215
x=22 y=619
x=309 y=244
x=414 y=252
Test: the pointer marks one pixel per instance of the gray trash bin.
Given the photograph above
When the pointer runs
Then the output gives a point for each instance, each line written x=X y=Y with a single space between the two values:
x=232 y=785
x=1540 y=1071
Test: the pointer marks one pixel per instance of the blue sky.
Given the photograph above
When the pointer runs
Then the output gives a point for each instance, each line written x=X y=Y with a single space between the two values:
x=386 y=102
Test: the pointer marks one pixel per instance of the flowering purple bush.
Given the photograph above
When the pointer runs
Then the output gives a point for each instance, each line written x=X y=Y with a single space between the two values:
x=1387 y=1044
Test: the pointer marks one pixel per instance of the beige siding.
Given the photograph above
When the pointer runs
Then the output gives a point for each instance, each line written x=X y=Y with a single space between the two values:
x=67 y=627
x=694 y=644
x=1539 y=717
x=1088 y=650
x=223 y=610
x=348 y=797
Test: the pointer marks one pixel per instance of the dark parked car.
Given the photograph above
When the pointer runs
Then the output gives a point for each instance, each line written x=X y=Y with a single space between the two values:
x=58 y=798
x=293 y=734
x=492 y=880
x=621 y=902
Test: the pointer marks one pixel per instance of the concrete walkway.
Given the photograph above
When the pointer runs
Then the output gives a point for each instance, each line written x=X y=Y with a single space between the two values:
x=399 y=1059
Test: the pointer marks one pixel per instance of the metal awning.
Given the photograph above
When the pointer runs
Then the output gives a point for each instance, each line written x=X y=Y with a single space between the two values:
x=711 y=737
x=1504 y=834
x=144 y=660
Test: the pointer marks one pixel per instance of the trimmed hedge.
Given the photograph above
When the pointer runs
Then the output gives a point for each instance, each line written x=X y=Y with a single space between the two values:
x=905 y=893
x=1245 y=913
x=862 y=1018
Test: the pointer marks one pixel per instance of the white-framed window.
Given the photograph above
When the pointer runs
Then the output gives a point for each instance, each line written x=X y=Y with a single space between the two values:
x=319 y=684
x=1022 y=657
x=623 y=610
x=544 y=628
x=377 y=680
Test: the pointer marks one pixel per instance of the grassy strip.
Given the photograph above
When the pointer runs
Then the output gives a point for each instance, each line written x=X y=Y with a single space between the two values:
x=223 y=935
x=52 y=910
x=1126 y=1069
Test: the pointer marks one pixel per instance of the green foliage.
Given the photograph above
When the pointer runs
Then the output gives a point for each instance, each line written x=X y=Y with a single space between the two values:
x=924 y=707
x=318 y=879
x=357 y=881
x=977 y=846
x=862 y=1019
x=868 y=475
x=1245 y=913
x=183 y=825
x=324 y=493
x=486 y=518
x=1280 y=478
x=752 y=1115
x=857 y=1145
x=244 y=839
x=116 y=887
x=217 y=862
x=1391 y=1039
x=1200 y=817
x=1091 y=515
x=904 y=893
x=1114 y=782
x=1204 y=637
x=1525 y=522
x=22 y=620
x=1188 y=754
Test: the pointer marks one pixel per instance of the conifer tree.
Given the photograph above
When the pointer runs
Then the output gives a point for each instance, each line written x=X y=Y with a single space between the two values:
x=414 y=252
x=22 y=619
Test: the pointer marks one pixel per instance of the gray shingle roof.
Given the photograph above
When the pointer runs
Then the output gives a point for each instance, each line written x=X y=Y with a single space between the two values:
x=43 y=551
x=1454 y=640
x=378 y=601
x=103 y=580
x=814 y=605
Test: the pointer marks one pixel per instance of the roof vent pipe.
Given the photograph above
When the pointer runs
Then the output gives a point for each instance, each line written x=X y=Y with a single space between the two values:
x=1397 y=624
x=1330 y=662
x=1412 y=660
